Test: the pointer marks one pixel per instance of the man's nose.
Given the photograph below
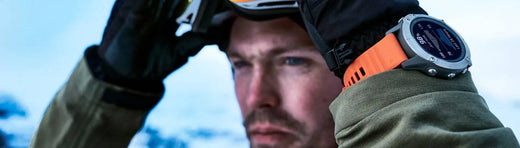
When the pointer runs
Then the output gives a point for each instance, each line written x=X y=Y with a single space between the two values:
x=263 y=89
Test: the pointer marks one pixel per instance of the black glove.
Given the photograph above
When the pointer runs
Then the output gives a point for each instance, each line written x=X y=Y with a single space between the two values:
x=344 y=29
x=139 y=47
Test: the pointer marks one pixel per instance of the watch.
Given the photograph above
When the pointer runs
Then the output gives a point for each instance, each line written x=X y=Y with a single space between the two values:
x=419 y=42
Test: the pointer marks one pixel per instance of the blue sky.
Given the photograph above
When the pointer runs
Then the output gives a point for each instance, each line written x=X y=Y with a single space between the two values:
x=41 y=41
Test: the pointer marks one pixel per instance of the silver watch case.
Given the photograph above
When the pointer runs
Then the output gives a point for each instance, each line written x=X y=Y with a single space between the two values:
x=419 y=59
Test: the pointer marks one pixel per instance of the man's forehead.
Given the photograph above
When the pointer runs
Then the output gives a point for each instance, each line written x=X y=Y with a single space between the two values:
x=271 y=36
x=243 y=25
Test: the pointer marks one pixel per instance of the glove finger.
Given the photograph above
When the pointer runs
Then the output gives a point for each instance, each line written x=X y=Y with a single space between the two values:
x=190 y=44
x=116 y=20
x=158 y=6
x=144 y=5
x=173 y=9
x=167 y=8
x=170 y=60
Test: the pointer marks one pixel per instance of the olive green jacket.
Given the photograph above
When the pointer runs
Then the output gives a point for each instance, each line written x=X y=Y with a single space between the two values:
x=397 y=108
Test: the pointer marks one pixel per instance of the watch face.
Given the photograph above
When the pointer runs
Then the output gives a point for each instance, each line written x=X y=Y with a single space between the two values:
x=438 y=39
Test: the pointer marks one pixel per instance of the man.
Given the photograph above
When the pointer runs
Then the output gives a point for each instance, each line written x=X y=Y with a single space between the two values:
x=390 y=108
x=282 y=83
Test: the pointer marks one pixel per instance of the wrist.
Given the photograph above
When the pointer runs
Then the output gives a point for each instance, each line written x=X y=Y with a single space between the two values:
x=365 y=35
x=103 y=71
x=357 y=42
x=419 y=42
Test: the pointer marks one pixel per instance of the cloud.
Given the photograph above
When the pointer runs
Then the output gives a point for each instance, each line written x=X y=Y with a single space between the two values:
x=157 y=141
x=10 y=107
x=206 y=133
x=4 y=138
x=155 y=137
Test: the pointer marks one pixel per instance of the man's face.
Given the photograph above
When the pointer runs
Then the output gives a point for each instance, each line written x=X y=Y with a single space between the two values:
x=282 y=84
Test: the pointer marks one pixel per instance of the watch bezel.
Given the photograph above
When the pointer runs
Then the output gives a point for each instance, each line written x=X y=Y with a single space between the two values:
x=413 y=49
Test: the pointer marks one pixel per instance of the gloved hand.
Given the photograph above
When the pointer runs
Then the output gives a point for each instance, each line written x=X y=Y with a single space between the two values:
x=344 y=29
x=139 y=45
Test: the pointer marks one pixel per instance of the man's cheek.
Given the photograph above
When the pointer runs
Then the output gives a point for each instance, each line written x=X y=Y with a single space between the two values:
x=294 y=85
x=311 y=99
x=241 y=91
x=299 y=103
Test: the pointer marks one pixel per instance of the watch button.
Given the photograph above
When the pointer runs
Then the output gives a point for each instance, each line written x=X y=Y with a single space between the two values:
x=432 y=59
x=464 y=71
x=451 y=75
x=432 y=72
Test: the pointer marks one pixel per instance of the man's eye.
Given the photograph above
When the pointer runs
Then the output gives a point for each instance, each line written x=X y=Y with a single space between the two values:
x=295 y=61
x=240 y=64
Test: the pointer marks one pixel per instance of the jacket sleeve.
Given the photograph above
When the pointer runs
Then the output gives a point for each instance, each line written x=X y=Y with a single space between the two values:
x=79 y=115
x=401 y=108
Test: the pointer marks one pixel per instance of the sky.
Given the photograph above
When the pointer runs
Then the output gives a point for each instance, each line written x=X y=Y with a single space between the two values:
x=42 y=41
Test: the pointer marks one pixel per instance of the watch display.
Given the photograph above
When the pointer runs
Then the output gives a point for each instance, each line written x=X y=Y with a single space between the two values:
x=437 y=39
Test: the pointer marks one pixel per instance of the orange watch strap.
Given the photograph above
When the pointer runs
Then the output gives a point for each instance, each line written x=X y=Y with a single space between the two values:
x=385 y=55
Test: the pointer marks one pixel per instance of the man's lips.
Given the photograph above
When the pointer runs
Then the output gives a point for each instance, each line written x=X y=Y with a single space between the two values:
x=267 y=133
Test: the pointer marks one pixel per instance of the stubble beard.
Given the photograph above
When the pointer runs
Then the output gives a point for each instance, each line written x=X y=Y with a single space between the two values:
x=298 y=138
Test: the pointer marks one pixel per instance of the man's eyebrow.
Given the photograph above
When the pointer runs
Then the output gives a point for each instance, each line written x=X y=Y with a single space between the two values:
x=233 y=53
x=278 y=51
x=274 y=51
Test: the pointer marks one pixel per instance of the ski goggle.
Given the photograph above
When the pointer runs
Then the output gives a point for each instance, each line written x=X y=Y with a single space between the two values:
x=263 y=9
x=200 y=14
